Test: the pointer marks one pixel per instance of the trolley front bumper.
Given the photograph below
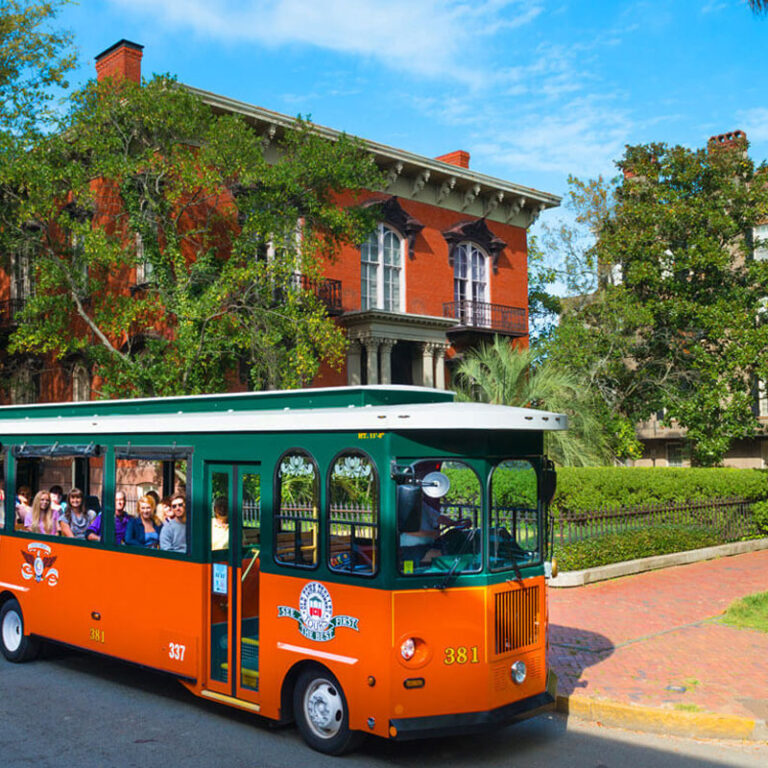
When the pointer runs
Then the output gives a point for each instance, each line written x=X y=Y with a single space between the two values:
x=475 y=722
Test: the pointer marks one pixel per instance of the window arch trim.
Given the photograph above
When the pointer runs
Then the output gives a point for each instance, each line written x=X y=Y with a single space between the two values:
x=395 y=216
x=477 y=232
x=358 y=452
x=278 y=502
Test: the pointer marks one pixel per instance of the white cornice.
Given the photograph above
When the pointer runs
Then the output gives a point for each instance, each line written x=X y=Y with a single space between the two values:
x=415 y=177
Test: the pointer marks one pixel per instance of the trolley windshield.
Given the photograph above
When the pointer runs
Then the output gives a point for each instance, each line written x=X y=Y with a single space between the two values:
x=446 y=522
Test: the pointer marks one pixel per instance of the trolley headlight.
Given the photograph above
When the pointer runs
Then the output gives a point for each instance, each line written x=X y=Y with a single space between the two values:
x=518 y=671
x=408 y=648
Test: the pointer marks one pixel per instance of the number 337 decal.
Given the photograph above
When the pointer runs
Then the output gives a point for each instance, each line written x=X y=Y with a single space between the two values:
x=176 y=651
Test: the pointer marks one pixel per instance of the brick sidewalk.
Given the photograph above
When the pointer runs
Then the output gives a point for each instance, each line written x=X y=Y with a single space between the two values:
x=630 y=638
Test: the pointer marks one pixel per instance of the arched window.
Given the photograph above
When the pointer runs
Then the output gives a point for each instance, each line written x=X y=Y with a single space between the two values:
x=353 y=514
x=296 y=509
x=470 y=283
x=382 y=270
x=81 y=383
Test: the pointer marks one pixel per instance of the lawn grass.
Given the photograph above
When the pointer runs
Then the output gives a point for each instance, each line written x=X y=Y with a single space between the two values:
x=751 y=612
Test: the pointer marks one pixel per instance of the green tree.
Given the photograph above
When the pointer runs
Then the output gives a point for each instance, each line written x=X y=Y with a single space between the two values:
x=34 y=58
x=680 y=323
x=147 y=180
x=500 y=373
x=758 y=6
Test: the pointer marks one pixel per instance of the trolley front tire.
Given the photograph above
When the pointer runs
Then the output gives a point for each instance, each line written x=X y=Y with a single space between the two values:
x=15 y=645
x=321 y=712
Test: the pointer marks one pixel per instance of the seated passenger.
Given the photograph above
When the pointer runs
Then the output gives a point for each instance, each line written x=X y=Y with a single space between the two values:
x=57 y=494
x=22 y=505
x=220 y=524
x=173 y=536
x=164 y=511
x=428 y=542
x=42 y=517
x=144 y=530
x=75 y=519
x=94 y=531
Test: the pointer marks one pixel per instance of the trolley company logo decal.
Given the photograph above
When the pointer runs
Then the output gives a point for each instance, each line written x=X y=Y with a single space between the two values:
x=315 y=614
x=37 y=563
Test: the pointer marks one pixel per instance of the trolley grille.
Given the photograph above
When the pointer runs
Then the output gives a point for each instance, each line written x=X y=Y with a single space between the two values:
x=516 y=621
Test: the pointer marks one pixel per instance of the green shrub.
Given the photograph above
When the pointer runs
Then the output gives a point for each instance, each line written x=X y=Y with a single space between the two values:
x=760 y=516
x=630 y=545
x=585 y=488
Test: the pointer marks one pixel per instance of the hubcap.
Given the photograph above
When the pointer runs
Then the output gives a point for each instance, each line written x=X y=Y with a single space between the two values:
x=324 y=708
x=12 y=631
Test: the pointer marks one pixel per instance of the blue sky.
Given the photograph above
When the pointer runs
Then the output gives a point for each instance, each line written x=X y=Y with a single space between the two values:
x=533 y=89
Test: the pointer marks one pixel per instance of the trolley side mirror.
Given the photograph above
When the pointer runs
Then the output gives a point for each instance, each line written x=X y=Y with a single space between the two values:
x=548 y=482
x=409 y=501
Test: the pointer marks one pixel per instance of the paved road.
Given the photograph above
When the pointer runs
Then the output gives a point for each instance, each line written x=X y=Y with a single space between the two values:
x=73 y=709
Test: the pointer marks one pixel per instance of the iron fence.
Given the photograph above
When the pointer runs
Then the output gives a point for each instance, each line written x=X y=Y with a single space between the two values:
x=731 y=518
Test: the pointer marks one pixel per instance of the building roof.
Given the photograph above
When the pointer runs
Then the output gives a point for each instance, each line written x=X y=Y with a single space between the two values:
x=413 y=176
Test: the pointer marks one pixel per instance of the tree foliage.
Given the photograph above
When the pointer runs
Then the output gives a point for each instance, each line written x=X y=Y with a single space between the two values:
x=33 y=59
x=677 y=318
x=504 y=375
x=148 y=178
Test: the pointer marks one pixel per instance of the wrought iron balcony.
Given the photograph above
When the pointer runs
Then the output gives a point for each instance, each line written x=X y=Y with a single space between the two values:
x=328 y=291
x=483 y=316
x=9 y=309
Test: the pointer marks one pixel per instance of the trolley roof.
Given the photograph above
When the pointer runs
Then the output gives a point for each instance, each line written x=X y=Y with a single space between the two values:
x=363 y=409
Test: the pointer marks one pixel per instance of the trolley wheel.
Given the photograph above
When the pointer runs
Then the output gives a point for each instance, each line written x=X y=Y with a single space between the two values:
x=15 y=645
x=321 y=712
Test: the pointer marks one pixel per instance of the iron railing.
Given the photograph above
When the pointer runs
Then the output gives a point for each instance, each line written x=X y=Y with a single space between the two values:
x=486 y=316
x=327 y=290
x=730 y=518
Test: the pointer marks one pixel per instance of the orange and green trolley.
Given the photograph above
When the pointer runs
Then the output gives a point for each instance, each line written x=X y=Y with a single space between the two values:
x=367 y=560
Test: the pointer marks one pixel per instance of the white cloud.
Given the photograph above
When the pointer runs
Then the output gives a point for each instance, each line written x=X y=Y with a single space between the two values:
x=426 y=37
x=555 y=116
x=754 y=122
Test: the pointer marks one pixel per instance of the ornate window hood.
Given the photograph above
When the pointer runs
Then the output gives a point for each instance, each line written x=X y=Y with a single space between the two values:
x=393 y=213
x=478 y=232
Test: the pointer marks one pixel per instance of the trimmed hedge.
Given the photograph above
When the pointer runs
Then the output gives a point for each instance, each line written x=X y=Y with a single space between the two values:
x=760 y=514
x=630 y=545
x=586 y=488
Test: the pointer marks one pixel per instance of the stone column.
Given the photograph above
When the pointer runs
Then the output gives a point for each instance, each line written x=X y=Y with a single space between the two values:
x=385 y=369
x=354 y=377
x=428 y=365
x=372 y=353
x=439 y=366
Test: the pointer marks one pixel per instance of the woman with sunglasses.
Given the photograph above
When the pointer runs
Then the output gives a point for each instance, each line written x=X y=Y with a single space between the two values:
x=173 y=536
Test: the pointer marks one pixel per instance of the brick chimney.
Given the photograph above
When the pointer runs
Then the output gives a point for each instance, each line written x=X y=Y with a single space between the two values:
x=459 y=157
x=730 y=140
x=122 y=61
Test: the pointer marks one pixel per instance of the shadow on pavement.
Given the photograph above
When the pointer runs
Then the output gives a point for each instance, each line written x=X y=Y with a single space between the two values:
x=571 y=651
x=194 y=730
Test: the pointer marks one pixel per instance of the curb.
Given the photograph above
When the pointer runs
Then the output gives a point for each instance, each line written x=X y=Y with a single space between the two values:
x=630 y=567
x=665 y=721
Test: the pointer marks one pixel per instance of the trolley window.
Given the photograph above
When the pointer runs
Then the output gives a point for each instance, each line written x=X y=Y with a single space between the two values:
x=296 y=510
x=158 y=471
x=62 y=472
x=515 y=526
x=2 y=491
x=439 y=512
x=353 y=514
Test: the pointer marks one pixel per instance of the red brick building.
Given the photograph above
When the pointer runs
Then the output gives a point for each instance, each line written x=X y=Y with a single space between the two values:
x=446 y=269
